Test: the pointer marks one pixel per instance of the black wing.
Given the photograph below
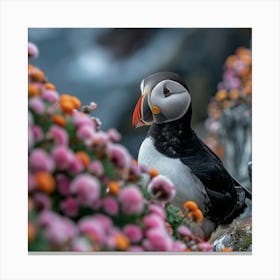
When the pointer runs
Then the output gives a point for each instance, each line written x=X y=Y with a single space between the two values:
x=235 y=182
x=227 y=201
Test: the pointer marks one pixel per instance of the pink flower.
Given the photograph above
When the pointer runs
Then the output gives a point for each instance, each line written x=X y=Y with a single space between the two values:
x=39 y=160
x=81 y=119
x=58 y=134
x=33 y=51
x=111 y=238
x=158 y=210
x=114 y=135
x=135 y=249
x=76 y=166
x=135 y=170
x=63 y=184
x=104 y=221
x=143 y=168
x=92 y=106
x=153 y=220
x=119 y=155
x=50 y=95
x=87 y=188
x=85 y=132
x=162 y=188
x=42 y=201
x=100 y=138
x=159 y=240
x=205 y=246
x=60 y=231
x=47 y=217
x=30 y=138
x=178 y=246
x=31 y=182
x=110 y=206
x=96 y=168
x=70 y=206
x=131 y=199
x=89 y=108
x=239 y=65
x=37 y=105
x=133 y=232
x=62 y=156
x=230 y=80
x=184 y=231
x=37 y=132
x=92 y=228
x=81 y=244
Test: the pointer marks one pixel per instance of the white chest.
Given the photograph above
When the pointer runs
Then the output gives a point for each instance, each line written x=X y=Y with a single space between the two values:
x=188 y=186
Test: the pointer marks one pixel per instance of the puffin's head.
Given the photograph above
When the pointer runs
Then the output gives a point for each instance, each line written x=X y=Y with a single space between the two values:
x=164 y=98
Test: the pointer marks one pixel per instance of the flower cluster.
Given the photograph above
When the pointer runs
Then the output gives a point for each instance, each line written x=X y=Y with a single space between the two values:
x=235 y=89
x=85 y=191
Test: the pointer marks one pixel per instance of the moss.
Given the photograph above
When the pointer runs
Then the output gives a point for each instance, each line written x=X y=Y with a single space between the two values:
x=241 y=239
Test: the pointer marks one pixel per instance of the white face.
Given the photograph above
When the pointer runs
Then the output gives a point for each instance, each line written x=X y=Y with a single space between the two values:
x=169 y=101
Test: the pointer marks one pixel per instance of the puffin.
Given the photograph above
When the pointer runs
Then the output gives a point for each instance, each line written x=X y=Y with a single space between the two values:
x=175 y=151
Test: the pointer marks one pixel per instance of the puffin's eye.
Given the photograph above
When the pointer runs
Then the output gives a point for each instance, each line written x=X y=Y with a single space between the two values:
x=166 y=91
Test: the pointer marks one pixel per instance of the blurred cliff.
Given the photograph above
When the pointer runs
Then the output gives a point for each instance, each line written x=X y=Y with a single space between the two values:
x=107 y=66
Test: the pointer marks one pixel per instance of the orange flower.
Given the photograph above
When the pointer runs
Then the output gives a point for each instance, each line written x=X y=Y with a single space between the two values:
x=30 y=67
x=31 y=232
x=226 y=249
x=234 y=94
x=248 y=90
x=68 y=103
x=67 y=106
x=114 y=187
x=33 y=90
x=36 y=75
x=45 y=182
x=153 y=172
x=64 y=97
x=83 y=157
x=59 y=120
x=221 y=95
x=122 y=242
x=50 y=86
x=227 y=104
x=190 y=205
x=198 y=215
x=76 y=102
x=188 y=249
x=231 y=60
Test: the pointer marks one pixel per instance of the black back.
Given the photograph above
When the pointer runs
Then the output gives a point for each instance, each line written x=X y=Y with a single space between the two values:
x=177 y=140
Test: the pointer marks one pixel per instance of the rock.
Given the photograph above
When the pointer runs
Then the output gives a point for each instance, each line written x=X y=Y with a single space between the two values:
x=237 y=236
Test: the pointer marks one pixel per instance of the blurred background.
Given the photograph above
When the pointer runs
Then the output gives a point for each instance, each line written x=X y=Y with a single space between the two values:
x=107 y=65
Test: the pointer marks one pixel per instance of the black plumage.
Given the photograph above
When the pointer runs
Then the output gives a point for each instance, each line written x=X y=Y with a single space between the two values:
x=176 y=139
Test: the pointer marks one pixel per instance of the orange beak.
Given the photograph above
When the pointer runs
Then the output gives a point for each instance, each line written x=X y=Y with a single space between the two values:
x=137 y=119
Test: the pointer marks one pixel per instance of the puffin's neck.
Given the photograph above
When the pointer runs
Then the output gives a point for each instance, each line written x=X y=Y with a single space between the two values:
x=172 y=137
